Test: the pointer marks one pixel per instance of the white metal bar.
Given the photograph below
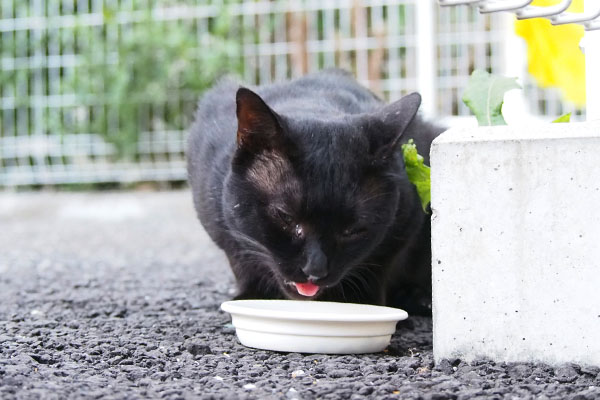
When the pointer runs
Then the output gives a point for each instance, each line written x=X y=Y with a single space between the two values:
x=592 y=25
x=537 y=11
x=571 y=17
x=345 y=35
x=359 y=19
x=445 y=3
x=329 y=33
x=410 y=62
x=426 y=59
x=264 y=62
x=394 y=44
x=502 y=5
x=248 y=28
x=281 y=61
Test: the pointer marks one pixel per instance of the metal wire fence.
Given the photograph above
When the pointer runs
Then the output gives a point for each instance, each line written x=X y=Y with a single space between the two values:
x=103 y=90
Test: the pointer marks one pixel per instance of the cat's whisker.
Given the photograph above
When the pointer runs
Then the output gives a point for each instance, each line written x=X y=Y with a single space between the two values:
x=258 y=253
x=366 y=265
x=247 y=239
x=355 y=280
x=396 y=176
x=375 y=196
x=340 y=289
x=354 y=286
x=249 y=252
x=253 y=247
x=267 y=282
x=358 y=278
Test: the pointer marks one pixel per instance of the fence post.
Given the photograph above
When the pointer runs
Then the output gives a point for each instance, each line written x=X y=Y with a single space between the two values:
x=426 y=59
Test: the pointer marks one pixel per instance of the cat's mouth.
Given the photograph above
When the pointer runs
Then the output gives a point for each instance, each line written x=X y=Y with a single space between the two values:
x=306 y=289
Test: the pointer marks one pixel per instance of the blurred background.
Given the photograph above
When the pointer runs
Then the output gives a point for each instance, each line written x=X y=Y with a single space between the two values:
x=99 y=93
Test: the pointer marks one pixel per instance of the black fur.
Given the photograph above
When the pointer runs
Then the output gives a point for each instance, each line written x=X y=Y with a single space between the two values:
x=307 y=180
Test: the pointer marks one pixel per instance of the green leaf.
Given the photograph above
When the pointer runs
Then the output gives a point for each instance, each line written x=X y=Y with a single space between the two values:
x=484 y=95
x=418 y=173
x=563 y=118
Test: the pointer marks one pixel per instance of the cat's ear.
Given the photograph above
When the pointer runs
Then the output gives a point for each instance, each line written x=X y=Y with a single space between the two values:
x=258 y=125
x=395 y=118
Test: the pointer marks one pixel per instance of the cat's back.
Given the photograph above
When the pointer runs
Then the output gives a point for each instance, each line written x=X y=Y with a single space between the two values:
x=331 y=92
x=215 y=122
x=210 y=147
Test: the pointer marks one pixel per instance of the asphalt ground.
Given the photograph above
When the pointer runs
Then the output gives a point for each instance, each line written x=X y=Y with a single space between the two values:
x=116 y=295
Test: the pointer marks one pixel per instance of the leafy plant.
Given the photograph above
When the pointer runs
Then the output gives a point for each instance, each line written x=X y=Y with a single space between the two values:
x=484 y=95
x=418 y=173
x=148 y=78
x=133 y=73
x=563 y=118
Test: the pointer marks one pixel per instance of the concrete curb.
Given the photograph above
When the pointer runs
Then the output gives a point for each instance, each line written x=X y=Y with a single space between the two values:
x=515 y=227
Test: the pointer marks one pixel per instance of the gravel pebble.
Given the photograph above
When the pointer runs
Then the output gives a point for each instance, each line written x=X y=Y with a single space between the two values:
x=129 y=308
x=298 y=373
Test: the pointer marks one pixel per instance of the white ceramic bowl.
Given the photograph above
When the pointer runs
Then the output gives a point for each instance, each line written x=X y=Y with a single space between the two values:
x=313 y=326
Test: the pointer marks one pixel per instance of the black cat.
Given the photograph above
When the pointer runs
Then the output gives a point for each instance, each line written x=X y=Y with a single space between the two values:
x=303 y=186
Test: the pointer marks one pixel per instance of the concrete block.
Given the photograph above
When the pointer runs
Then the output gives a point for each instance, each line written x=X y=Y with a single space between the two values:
x=516 y=243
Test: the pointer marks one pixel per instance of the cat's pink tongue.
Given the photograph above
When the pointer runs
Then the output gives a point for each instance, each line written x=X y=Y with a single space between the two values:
x=307 y=289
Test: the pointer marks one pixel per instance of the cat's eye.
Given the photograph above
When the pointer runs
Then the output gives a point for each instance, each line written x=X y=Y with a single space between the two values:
x=285 y=217
x=355 y=232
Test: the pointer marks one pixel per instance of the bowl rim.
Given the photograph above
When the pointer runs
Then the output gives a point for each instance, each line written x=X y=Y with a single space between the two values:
x=240 y=307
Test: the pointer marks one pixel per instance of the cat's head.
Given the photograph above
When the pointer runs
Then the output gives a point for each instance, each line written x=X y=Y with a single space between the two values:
x=311 y=197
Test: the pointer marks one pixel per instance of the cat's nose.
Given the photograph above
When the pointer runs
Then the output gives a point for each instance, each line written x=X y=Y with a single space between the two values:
x=316 y=263
x=315 y=271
